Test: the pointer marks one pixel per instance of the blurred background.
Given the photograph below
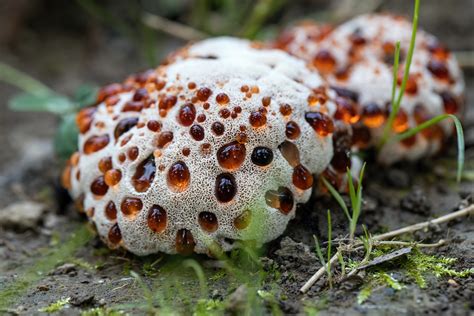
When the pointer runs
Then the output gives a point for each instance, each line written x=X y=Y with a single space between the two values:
x=71 y=46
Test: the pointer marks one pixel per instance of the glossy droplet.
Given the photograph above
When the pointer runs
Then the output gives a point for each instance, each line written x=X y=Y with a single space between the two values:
x=360 y=136
x=191 y=85
x=153 y=125
x=411 y=85
x=321 y=123
x=285 y=109
x=324 y=62
x=257 y=119
x=224 y=113
x=131 y=206
x=115 y=235
x=222 y=98
x=231 y=156
x=108 y=91
x=133 y=106
x=140 y=94
x=243 y=220
x=187 y=114
x=346 y=93
x=372 y=115
x=449 y=102
x=438 y=69
x=167 y=102
x=164 y=138
x=218 y=128
x=186 y=151
x=197 y=132
x=244 y=88
x=400 y=123
x=95 y=143
x=99 y=187
x=346 y=111
x=201 y=118
x=124 y=126
x=84 y=119
x=105 y=164
x=292 y=130
x=178 y=177
x=132 y=153
x=302 y=177
x=225 y=188
x=157 y=219
x=282 y=199
x=266 y=101
x=208 y=221
x=112 y=177
x=409 y=142
x=290 y=152
x=111 y=211
x=341 y=160
x=262 y=156
x=438 y=50
x=144 y=174
x=185 y=242
x=203 y=94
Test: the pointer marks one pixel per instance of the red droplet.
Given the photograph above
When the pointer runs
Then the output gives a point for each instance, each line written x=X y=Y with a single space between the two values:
x=231 y=155
x=157 y=219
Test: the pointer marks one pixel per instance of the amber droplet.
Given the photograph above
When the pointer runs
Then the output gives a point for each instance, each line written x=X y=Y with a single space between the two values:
x=241 y=137
x=356 y=38
x=167 y=102
x=341 y=160
x=132 y=153
x=111 y=211
x=197 y=132
x=99 y=187
x=218 y=128
x=302 y=177
x=84 y=119
x=285 y=109
x=187 y=114
x=257 y=119
x=206 y=105
x=411 y=86
x=201 y=118
x=178 y=177
x=164 y=138
x=140 y=94
x=208 y=221
x=112 y=177
x=203 y=94
x=360 y=136
x=400 y=123
x=133 y=106
x=144 y=174
x=224 y=113
x=105 y=164
x=222 y=98
x=449 y=101
x=266 y=101
x=372 y=115
x=225 y=188
x=131 y=206
x=192 y=85
x=153 y=125
x=230 y=156
x=281 y=199
x=186 y=151
x=290 y=152
x=262 y=156
x=324 y=62
x=438 y=69
x=157 y=219
x=95 y=143
x=115 y=236
x=108 y=91
x=243 y=220
x=122 y=157
x=185 y=242
x=244 y=88
x=292 y=130
x=124 y=126
x=438 y=50
x=321 y=123
x=346 y=111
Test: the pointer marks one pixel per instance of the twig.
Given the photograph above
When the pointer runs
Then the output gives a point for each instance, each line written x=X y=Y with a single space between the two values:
x=172 y=28
x=446 y=218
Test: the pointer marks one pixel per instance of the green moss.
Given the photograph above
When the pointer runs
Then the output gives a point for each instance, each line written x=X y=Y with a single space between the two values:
x=102 y=311
x=32 y=274
x=56 y=306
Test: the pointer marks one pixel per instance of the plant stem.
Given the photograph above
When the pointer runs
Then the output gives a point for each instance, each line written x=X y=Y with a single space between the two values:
x=23 y=81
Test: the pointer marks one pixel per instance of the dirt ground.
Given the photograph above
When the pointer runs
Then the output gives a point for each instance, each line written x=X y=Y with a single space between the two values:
x=46 y=263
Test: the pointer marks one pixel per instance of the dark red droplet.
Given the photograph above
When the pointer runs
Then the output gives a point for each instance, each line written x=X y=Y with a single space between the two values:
x=208 y=221
x=197 y=132
x=185 y=242
x=225 y=188
x=115 y=235
x=124 y=126
x=230 y=156
x=187 y=114
x=157 y=219
x=99 y=187
x=144 y=174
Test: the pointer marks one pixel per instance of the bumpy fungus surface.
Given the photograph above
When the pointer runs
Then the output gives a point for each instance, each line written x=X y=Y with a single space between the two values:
x=356 y=58
x=220 y=144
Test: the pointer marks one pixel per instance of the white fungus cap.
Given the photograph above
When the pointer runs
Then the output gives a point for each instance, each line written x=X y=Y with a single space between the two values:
x=247 y=135
x=358 y=56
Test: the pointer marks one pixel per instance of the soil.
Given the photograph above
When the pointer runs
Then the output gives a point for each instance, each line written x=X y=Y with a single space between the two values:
x=65 y=54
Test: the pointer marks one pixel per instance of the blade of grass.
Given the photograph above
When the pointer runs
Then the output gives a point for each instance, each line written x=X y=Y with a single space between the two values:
x=337 y=197
x=193 y=264
x=433 y=121
x=23 y=81
x=329 y=248
x=396 y=105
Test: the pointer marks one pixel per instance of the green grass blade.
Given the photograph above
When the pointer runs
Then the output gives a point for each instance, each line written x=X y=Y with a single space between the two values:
x=459 y=133
x=337 y=197
x=319 y=251
x=23 y=81
x=396 y=61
